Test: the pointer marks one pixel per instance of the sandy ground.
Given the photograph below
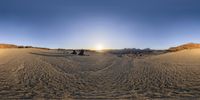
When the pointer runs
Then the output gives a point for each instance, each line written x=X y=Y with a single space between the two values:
x=35 y=73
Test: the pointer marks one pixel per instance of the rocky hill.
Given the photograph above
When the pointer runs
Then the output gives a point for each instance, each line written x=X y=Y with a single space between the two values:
x=8 y=46
x=4 y=46
x=185 y=46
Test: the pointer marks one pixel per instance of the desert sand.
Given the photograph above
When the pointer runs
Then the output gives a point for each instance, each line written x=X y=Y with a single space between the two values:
x=35 y=73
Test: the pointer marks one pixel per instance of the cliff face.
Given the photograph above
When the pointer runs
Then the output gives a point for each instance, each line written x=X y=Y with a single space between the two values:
x=8 y=46
x=185 y=46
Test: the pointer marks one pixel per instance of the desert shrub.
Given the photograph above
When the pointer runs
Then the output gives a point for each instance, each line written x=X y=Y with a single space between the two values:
x=20 y=46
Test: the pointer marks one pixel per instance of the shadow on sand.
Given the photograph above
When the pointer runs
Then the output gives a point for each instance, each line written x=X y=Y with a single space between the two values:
x=51 y=54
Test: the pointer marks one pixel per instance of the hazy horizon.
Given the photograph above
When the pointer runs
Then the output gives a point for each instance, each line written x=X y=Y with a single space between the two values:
x=112 y=24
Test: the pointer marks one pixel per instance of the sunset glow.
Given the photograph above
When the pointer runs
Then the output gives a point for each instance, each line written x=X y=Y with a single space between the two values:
x=99 y=47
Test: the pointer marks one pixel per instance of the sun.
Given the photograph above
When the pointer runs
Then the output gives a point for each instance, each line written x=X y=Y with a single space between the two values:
x=99 y=47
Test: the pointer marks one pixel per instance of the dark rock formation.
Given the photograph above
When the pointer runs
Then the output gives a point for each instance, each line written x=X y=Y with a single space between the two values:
x=81 y=53
x=74 y=52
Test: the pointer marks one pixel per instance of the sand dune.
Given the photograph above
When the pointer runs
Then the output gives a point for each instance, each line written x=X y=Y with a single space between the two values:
x=37 y=73
x=8 y=46
x=185 y=46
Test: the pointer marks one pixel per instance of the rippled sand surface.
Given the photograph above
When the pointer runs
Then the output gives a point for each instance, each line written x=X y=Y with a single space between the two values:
x=35 y=73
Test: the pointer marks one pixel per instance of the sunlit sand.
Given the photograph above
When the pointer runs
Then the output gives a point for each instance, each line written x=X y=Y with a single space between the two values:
x=38 y=73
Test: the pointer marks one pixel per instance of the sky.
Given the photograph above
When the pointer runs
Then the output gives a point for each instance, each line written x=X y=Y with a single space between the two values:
x=114 y=24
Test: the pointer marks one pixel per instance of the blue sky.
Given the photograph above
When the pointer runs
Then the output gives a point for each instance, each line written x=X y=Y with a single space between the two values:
x=116 y=24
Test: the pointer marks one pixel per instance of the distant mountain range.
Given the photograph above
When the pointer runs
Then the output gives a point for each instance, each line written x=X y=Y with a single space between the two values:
x=172 y=49
x=16 y=46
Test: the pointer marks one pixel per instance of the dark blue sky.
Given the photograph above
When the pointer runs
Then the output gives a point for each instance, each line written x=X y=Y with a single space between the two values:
x=112 y=23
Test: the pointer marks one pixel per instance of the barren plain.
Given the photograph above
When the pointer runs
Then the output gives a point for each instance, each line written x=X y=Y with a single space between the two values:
x=35 y=73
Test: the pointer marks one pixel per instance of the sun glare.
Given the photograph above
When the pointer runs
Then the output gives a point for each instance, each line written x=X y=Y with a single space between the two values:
x=99 y=47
